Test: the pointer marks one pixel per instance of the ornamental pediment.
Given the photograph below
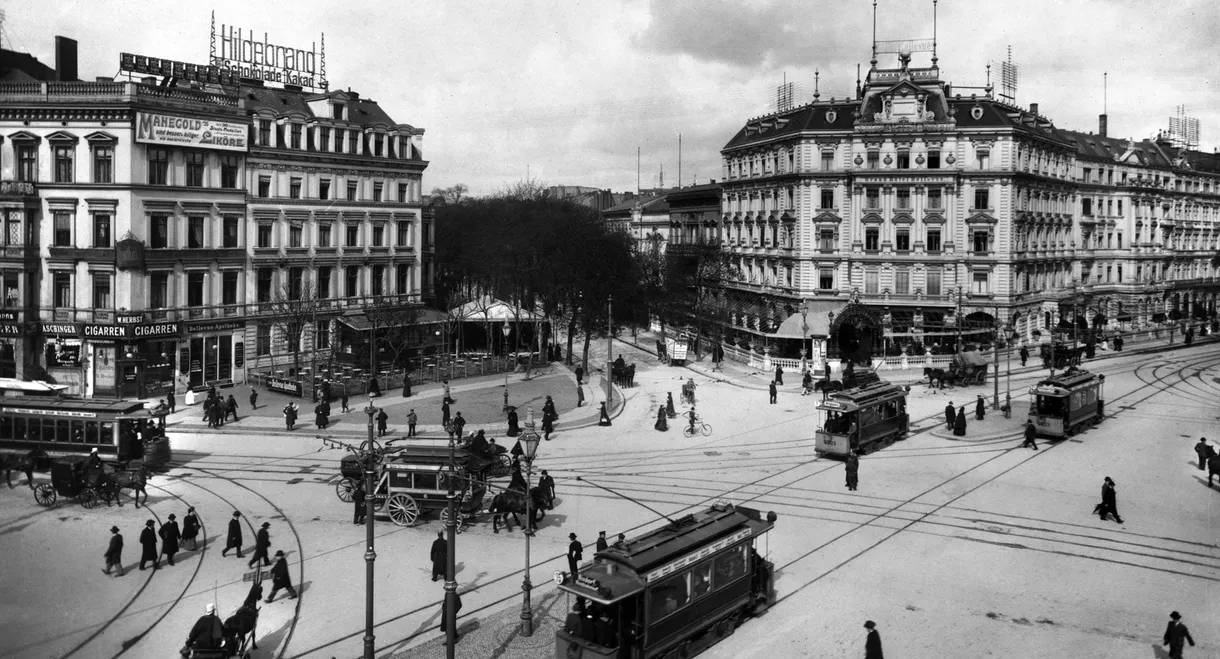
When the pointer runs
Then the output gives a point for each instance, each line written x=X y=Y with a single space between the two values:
x=872 y=218
x=981 y=218
x=903 y=218
x=933 y=218
x=827 y=218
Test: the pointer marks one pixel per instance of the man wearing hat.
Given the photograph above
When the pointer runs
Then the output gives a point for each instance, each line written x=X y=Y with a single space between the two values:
x=148 y=539
x=872 y=644
x=279 y=578
x=440 y=551
x=114 y=553
x=575 y=554
x=208 y=632
x=1175 y=634
x=234 y=540
x=170 y=535
x=262 y=545
x=1031 y=436
x=602 y=545
x=1204 y=451
x=621 y=542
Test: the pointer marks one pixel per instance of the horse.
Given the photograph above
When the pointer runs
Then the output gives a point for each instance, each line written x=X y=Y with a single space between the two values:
x=937 y=377
x=512 y=502
x=827 y=387
x=27 y=463
x=1213 y=468
x=133 y=480
x=240 y=627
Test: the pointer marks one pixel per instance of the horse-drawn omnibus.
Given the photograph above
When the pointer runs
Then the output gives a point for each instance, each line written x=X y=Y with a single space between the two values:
x=863 y=419
x=671 y=592
x=1062 y=404
x=119 y=430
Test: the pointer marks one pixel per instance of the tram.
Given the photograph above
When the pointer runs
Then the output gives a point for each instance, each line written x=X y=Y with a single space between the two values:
x=1064 y=403
x=863 y=419
x=119 y=430
x=673 y=592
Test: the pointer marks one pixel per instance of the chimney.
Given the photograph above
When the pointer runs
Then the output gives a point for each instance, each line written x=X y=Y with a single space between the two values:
x=1102 y=120
x=1033 y=109
x=65 y=59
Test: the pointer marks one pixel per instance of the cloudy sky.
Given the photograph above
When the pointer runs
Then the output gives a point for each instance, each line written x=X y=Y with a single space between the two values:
x=565 y=91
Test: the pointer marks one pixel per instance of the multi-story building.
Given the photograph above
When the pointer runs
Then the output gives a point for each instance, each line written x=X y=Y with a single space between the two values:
x=936 y=211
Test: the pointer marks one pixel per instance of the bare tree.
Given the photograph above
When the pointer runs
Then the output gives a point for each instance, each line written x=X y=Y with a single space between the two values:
x=293 y=307
x=452 y=194
x=393 y=324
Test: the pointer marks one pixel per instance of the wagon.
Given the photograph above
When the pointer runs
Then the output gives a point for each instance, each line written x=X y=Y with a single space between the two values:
x=968 y=368
x=69 y=479
x=416 y=481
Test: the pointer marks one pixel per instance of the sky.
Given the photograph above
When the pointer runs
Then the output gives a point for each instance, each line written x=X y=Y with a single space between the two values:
x=565 y=92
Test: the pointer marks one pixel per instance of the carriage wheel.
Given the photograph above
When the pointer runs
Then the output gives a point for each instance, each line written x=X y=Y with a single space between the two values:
x=88 y=497
x=403 y=509
x=504 y=465
x=44 y=494
x=459 y=525
x=345 y=488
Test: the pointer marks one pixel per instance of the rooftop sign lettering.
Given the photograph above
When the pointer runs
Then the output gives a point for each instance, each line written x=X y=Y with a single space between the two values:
x=242 y=54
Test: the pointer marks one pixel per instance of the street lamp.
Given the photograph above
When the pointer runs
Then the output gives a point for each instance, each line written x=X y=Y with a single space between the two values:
x=958 y=319
x=529 y=440
x=830 y=316
x=1010 y=333
x=805 y=329
x=505 y=330
x=449 y=610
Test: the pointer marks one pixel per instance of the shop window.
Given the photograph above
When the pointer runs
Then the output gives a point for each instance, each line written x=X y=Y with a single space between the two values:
x=228 y=288
x=101 y=290
x=194 y=289
x=194 y=168
x=101 y=230
x=933 y=240
x=27 y=163
x=158 y=290
x=64 y=168
x=63 y=228
x=231 y=234
x=872 y=239
x=103 y=164
x=158 y=166
x=194 y=232
x=262 y=340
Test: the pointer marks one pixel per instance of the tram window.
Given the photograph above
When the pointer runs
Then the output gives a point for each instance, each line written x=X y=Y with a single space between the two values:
x=108 y=437
x=48 y=430
x=91 y=433
x=426 y=481
x=1050 y=405
x=19 y=429
x=400 y=479
x=671 y=595
x=63 y=431
x=730 y=566
x=702 y=579
x=6 y=428
x=78 y=432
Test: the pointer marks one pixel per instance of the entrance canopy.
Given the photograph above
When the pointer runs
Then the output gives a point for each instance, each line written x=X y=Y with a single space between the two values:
x=488 y=309
x=817 y=318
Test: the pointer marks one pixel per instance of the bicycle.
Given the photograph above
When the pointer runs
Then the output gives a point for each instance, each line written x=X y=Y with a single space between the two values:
x=697 y=427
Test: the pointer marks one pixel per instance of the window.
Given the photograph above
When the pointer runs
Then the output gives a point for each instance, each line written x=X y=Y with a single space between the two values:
x=402 y=193
x=263 y=283
x=194 y=233
x=670 y=595
x=323 y=282
x=1086 y=206
x=1120 y=206
x=984 y=156
x=158 y=291
x=828 y=198
x=404 y=233
x=159 y=232
x=378 y=280
x=294 y=235
x=194 y=289
x=933 y=279
x=338 y=140
x=27 y=163
x=870 y=281
x=264 y=132
x=323 y=235
x=229 y=168
x=353 y=142
x=981 y=240
x=230 y=231
x=63 y=229
x=828 y=162
x=294 y=136
x=826 y=240
x=262 y=340
x=194 y=169
x=103 y=164
x=1119 y=238
x=63 y=164
x=872 y=198
x=981 y=198
x=264 y=235
x=353 y=235
x=980 y=285
x=934 y=199
x=933 y=240
x=101 y=290
x=874 y=158
x=933 y=159
x=324 y=138
x=377 y=187
x=904 y=198
x=379 y=235
x=296 y=282
x=351 y=286
x=902 y=239
x=351 y=190
x=872 y=237
x=62 y=283
x=294 y=188
x=324 y=189
x=101 y=230
x=228 y=288
x=337 y=111
x=158 y=166
x=378 y=144
x=1120 y=274
x=321 y=335
x=264 y=187
x=403 y=281
x=902 y=282
x=904 y=160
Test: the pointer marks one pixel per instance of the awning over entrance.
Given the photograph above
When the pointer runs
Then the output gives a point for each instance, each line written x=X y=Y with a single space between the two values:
x=33 y=387
x=488 y=309
x=361 y=323
x=817 y=318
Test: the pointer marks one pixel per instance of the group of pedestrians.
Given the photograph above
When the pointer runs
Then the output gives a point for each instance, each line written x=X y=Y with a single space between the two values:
x=217 y=409
x=172 y=537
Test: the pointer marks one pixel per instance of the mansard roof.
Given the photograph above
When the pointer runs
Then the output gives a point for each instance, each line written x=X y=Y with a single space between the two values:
x=813 y=116
x=283 y=102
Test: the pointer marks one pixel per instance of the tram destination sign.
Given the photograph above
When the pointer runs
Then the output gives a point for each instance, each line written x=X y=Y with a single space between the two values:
x=698 y=555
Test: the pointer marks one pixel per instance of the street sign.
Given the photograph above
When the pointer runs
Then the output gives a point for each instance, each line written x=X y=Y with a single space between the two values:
x=256 y=576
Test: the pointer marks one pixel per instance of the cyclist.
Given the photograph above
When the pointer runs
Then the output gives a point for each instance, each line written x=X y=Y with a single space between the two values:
x=693 y=417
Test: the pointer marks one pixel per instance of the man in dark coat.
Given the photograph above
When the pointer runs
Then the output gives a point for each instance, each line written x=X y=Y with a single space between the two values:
x=603 y=417
x=950 y=415
x=148 y=540
x=253 y=399
x=852 y=464
x=959 y=424
x=580 y=396
x=360 y=505
x=262 y=545
x=779 y=374
x=280 y=578
x=1176 y=635
x=457 y=606
x=170 y=535
x=191 y=527
x=547 y=483
x=580 y=375
x=575 y=554
x=231 y=408
x=772 y=391
x=382 y=420
x=412 y=419
x=980 y=408
x=319 y=415
x=1024 y=355
x=171 y=402
x=343 y=403
x=374 y=388
x=290 y=415
x=872 y=643
x=548 y=427
x=601 y=541
x=114 y=553
x=548 y=409
x=1031 y=436
x=1109 y=501
x=208 y=632
x=459 y=425
x=1204 y=451
x=234 y=539
x=440 y=551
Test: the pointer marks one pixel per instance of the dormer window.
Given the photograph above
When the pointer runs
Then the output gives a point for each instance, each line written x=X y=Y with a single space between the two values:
x=295 y=135
x=378 y=144
x=338 y=111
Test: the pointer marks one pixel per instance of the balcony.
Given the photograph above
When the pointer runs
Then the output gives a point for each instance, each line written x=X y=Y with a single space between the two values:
x=19 y=190
x=165 y=257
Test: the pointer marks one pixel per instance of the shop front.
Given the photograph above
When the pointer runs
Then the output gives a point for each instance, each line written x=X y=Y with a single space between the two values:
x=213 y=354
x=121 y=360
x=12 y=334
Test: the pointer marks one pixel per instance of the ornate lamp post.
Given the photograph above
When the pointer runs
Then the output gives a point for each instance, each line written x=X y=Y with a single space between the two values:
x=609 y=349
x=449 y=610
x=957 y=317
x=505 y=330
x=830 y=315
x=1010 y=332
x=805 y=329
x=529 y=441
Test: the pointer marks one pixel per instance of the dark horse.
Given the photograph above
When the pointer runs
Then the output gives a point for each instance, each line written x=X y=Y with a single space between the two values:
x=35 y=460
x=239 y=628
x=827 y=387
x=133 y=480
x=1213 y=468
x=937 y=377
x=511 y=502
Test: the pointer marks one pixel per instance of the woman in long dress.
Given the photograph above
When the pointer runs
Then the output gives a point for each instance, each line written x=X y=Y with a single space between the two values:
x=661 y=424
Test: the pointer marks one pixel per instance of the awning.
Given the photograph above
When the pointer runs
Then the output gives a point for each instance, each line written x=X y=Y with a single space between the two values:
x=489 y=310
x=33 y=387
x=816 y=317
x=360 y=322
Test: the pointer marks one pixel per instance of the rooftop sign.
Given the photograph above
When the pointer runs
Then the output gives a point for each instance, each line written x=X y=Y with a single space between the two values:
x=242 y=54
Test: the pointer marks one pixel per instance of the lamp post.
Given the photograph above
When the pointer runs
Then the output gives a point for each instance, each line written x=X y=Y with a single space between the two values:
x=957 y=317
x=805 y=328
x=529 y=441
x=830 y=316
x=505 y=330
x=448 y=610
x=1011 y=334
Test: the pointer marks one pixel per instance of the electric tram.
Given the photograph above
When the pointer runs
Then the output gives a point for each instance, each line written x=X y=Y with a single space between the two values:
x=672 y=592
x=863 y=419
x=118 y=429
x=1063 y=404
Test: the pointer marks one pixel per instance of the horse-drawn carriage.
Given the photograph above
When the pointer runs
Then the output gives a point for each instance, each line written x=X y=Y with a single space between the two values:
x=1060 y=355
x=967 y=368
x=850 y=379
x=90 y=481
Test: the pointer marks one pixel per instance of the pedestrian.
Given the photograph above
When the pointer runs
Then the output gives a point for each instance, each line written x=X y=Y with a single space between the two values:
x=457 y=606
x=620 y=543
x=807 y=383
x=580 y=396
x=1175 y=634
x=231 y=408
x=1024 y=355
x=602 y=545
x=548 y=427
x=445 y=392
x=459 y=425
x=358 y=500
x=412 y=418
x=772 y=391
x=872 y=642
x=440 y=551
x=580 y=375
x=171 y=402
x=253 y=399
x=575 y=554
x=290 y=415
x=1109 y=501
x=207 y=410
x=114 y=552
x=319 y=416
x=170 y=537
x=445 y=414
x=950 y=415
x=280 y=578
x=959 y=424
x=190 y=528
x=1031 y=436
x=514 y=428
x=690 y=385
x=148 y=541
x=548 y=409
x=374 y=388
x=262 y=545
x=547 y=483
x=406 y=385
x=669 y=406
x=1204 y=451
x=603 y=418
x=779 y=375
x=234 y=539
x=980 y=408
x=661 y=423
x=343 y=402
x=208 y=632
x=852 y=464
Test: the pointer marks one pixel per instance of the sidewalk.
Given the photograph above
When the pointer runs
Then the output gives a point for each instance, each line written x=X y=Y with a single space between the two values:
x=498 y=633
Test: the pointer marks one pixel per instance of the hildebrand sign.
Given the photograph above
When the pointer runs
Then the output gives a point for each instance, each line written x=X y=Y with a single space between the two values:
x=153 y=128
x=245 y=55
